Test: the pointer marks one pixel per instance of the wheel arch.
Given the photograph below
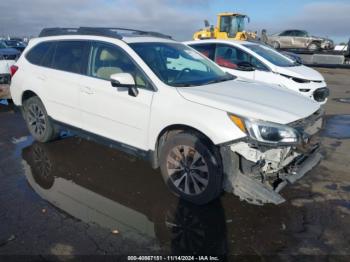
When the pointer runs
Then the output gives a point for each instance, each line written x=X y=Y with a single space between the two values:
x=316 y=42
x=172 y=130
x=26 y=95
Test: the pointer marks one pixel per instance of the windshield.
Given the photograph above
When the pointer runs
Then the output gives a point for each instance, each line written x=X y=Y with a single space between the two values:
x=271 y=55
x=2 y=45
x=178 y=65
x=232 y=24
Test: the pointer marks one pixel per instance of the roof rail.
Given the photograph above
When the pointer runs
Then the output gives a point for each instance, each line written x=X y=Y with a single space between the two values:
x=113 y=32
x=58 y=31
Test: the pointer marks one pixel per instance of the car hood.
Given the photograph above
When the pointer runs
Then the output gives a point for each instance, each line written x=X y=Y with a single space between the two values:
x=300 y=71
x=9 y=51
x=252 y=100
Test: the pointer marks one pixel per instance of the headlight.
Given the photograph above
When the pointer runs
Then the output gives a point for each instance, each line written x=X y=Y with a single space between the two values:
x=296 y=79
x=266 y=132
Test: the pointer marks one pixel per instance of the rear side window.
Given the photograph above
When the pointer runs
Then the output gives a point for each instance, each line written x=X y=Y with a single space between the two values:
x=37 y=54
x=70 y=56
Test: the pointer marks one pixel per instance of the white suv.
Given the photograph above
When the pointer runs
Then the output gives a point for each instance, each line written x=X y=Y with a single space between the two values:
x=146 y=94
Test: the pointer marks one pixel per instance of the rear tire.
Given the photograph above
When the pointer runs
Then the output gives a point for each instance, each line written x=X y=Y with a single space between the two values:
x=191 y=168
x=38 y=122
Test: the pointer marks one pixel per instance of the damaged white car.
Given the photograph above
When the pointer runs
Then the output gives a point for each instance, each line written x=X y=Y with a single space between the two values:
x=148 y=95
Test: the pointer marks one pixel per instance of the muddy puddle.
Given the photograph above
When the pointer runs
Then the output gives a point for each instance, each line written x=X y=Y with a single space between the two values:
x=337 y=126
x=102 y=186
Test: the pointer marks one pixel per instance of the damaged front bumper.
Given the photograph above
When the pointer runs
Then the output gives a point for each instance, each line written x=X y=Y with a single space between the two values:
x=257 y=173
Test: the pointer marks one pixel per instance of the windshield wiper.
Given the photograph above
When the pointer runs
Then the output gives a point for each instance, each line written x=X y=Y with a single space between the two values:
x=219 y=80
x=183 y=85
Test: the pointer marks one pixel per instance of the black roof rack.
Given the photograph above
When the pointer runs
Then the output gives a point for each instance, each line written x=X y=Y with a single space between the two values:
x=114 y=32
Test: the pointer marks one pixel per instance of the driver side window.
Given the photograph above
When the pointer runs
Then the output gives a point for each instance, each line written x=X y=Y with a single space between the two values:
x=300 y=33
x=228 y=56
x=231 y=57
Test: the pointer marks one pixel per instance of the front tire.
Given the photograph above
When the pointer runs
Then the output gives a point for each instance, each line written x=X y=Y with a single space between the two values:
x=191 y=168
x=313 y=47
x=38 y=122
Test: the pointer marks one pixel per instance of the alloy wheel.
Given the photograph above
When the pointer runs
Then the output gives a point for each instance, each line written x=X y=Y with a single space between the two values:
x=36 y=119
x=187 y=170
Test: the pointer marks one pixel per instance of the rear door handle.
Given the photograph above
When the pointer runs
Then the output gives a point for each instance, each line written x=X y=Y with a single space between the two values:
x=87 y=90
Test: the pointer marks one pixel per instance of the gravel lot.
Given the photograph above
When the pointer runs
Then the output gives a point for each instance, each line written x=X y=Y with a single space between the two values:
x=74 y=197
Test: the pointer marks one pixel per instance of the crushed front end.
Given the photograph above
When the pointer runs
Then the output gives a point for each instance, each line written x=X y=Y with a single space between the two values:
x=257 y=172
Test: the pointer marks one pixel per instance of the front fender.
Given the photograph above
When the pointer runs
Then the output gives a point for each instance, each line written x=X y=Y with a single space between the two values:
x=212 y=122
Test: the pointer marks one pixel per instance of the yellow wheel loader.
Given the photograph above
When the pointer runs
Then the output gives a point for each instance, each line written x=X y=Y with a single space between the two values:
x=229 y=26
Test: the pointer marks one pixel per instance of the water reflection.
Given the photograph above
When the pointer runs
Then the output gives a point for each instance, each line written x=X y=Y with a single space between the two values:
x=103 y=186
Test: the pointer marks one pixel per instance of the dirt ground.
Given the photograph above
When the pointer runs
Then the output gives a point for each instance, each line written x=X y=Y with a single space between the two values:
x=74 y=197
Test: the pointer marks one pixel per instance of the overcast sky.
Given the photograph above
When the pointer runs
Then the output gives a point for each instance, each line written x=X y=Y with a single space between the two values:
x=179 y=18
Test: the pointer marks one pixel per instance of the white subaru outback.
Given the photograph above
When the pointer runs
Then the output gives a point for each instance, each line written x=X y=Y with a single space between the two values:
x=148 y=95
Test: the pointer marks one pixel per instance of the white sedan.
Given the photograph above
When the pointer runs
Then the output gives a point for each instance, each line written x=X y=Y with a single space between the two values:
x=259 y=62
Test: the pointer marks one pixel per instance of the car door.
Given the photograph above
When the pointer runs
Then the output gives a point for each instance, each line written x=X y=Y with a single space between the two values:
x=230 y=58
x=62 y=80
x=300 y=39
x=110 y=111
x=285 y=39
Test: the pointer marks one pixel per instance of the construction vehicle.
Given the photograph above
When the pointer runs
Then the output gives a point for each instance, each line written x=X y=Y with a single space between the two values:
x=229 y=26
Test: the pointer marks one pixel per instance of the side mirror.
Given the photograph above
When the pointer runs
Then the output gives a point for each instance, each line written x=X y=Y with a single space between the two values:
x=125 y=80
x=245 y=66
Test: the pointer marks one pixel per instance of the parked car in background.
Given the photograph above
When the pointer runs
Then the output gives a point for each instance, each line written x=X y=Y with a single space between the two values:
x=8 y=57
x=299 y=39
x=148 y=95
x=19 y=45
x=255 y=61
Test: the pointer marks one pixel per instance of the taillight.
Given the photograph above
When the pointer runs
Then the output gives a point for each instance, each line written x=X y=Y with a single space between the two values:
x=13 y=70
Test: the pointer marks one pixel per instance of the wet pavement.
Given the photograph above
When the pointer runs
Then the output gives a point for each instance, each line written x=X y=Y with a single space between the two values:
x=74 y=197
x=337 y=126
